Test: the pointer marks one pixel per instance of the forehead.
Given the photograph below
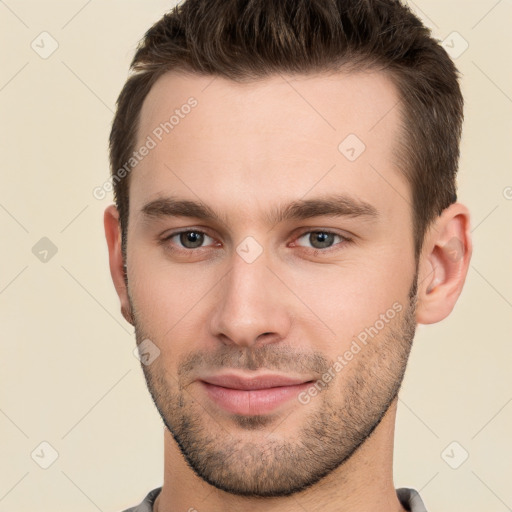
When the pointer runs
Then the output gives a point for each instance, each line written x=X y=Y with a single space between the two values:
x=243 y=144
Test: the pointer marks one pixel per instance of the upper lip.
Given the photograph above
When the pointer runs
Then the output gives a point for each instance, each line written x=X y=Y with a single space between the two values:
x=262 y=381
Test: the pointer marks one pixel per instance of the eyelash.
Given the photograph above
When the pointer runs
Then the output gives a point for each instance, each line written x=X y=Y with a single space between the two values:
x=345 y=240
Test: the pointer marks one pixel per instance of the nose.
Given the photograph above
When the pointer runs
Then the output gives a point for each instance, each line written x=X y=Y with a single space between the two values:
x=252 y=306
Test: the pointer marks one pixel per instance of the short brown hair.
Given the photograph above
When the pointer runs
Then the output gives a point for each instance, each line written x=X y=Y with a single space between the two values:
x=245 y=40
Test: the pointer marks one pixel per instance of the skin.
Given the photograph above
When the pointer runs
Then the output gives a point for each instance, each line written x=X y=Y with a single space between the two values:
x=245 y=150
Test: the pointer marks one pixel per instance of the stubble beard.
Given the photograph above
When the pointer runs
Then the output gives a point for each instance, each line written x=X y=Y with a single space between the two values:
x=270 y=462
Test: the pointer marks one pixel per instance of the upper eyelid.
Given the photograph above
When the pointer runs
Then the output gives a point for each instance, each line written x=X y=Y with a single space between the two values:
x=188 y=230
x=320 y=230
x=345 y=238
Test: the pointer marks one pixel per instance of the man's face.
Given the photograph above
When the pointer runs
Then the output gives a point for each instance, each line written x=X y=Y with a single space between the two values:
x=309 y=293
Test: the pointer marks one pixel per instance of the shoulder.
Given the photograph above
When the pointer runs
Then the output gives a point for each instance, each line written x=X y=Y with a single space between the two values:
x=146 y=505
x=411 y=499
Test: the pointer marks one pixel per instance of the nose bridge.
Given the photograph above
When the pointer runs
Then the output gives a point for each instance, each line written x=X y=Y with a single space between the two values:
x=250 y=304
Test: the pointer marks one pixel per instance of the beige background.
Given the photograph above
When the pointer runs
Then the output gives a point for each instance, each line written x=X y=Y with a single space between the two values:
x=68 y=374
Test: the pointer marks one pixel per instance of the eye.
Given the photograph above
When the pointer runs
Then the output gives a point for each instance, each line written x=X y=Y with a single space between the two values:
x=191 y=239
x=195 y=239
x=320 y=239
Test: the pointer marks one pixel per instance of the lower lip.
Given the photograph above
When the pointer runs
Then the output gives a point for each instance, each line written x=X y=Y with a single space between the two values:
x=252 y=402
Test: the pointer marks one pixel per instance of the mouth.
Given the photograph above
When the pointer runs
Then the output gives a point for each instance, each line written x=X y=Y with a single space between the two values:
x=252 y=396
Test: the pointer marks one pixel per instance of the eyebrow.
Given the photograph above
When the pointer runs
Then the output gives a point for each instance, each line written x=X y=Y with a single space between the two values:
x=301 y=209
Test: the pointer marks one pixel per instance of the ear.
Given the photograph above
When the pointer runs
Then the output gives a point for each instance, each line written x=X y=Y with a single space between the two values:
x=115 y=255
x=444 y=264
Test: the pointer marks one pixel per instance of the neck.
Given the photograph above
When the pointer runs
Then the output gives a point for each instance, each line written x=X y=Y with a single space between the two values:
x=363 y=484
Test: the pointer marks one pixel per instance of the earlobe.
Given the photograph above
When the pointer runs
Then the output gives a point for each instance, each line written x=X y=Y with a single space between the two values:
x=117 y=265
x=127 y=314
x=444 y=264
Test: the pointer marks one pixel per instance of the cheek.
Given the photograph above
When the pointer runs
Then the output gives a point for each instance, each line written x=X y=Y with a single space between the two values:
x=341 y=301
x=165 y=295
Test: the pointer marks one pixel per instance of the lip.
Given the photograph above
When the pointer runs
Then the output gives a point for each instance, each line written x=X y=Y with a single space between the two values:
x=263 y=381
x=255 y=395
